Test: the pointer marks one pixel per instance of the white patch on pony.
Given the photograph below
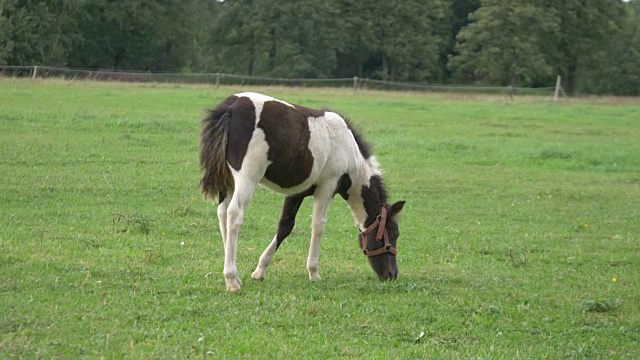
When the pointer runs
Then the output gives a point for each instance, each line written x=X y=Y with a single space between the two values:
x=253 y=167
x=265 y=260
x=255 y=161
x=297 y=189
x=326 y=146
x=356 y=204
x=336 y=153
x=374 y=165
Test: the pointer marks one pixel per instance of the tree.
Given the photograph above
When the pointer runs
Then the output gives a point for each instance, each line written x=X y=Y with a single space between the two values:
x=356 y=42
x=459 y=11
x=278 y=38
x=504 y=43
x=181 y=32
x=6 y=30
x=593 y=44
x=406 y=38
x=234 y=38
x=117 y=34
x=615 y=67
x=37 y=32
x=302 y=37
x=584 y=27
x=392 y=40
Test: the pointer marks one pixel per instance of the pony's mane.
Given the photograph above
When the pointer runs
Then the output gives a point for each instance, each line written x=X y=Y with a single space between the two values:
x=378 y=182
x=363 y=145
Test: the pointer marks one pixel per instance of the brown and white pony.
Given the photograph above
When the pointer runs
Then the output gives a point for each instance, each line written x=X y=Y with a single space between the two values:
x=251 y=139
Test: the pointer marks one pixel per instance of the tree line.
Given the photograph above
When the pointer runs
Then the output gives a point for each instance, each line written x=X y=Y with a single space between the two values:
x=593 y=44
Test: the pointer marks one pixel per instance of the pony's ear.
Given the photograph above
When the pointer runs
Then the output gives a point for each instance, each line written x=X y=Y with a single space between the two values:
x=395 y=208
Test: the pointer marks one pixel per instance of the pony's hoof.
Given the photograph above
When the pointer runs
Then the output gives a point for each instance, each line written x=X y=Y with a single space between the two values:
x=258 y=275
x=233 y=285
x=314 y=277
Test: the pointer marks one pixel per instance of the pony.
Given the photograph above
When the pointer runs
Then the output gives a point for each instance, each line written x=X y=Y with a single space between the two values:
x=251 y=139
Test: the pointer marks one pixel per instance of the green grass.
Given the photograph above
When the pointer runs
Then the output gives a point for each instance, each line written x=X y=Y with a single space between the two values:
x=519 y=217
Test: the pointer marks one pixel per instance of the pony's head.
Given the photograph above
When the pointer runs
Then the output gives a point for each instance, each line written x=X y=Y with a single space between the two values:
x=378 y=241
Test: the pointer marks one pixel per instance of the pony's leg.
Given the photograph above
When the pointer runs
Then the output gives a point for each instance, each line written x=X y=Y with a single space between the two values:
x=222 y=218
x=321 y=199
x=287 y=221
x=235 y=214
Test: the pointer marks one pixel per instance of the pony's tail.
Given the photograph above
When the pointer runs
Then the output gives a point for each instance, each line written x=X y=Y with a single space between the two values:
x=217 y=179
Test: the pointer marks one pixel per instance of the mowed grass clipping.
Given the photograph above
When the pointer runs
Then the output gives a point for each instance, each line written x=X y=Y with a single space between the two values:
x=520 y=237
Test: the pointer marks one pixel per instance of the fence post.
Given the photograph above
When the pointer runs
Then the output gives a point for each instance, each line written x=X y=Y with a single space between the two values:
x=35 y=71
x=355 y=84
x=217 y=80
x=558 y=87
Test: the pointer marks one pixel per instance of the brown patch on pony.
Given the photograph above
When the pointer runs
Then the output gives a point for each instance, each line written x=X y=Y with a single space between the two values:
x=287 y=133
x=243 y=124
x=344 y=184
x=374 y=196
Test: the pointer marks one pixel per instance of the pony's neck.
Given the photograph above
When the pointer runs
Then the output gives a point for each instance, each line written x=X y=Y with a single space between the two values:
x=367 y=194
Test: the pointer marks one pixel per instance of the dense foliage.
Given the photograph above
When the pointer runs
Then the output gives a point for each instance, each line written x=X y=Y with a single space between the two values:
x=593 y=44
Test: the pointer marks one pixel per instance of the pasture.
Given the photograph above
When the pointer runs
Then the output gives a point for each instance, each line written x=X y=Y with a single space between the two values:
x=520 y=238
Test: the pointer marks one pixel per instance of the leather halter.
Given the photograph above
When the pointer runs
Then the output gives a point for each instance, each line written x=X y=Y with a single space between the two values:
x=381 y=235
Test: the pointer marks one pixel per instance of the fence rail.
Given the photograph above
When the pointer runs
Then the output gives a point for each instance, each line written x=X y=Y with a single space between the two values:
x=218 y=79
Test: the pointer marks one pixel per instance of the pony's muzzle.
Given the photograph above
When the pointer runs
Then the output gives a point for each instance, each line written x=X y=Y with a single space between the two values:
x=384 y=266
x=389 y=272
x=389 y=275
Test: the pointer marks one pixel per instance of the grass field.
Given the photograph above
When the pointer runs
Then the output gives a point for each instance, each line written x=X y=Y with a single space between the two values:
x=520 y=238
